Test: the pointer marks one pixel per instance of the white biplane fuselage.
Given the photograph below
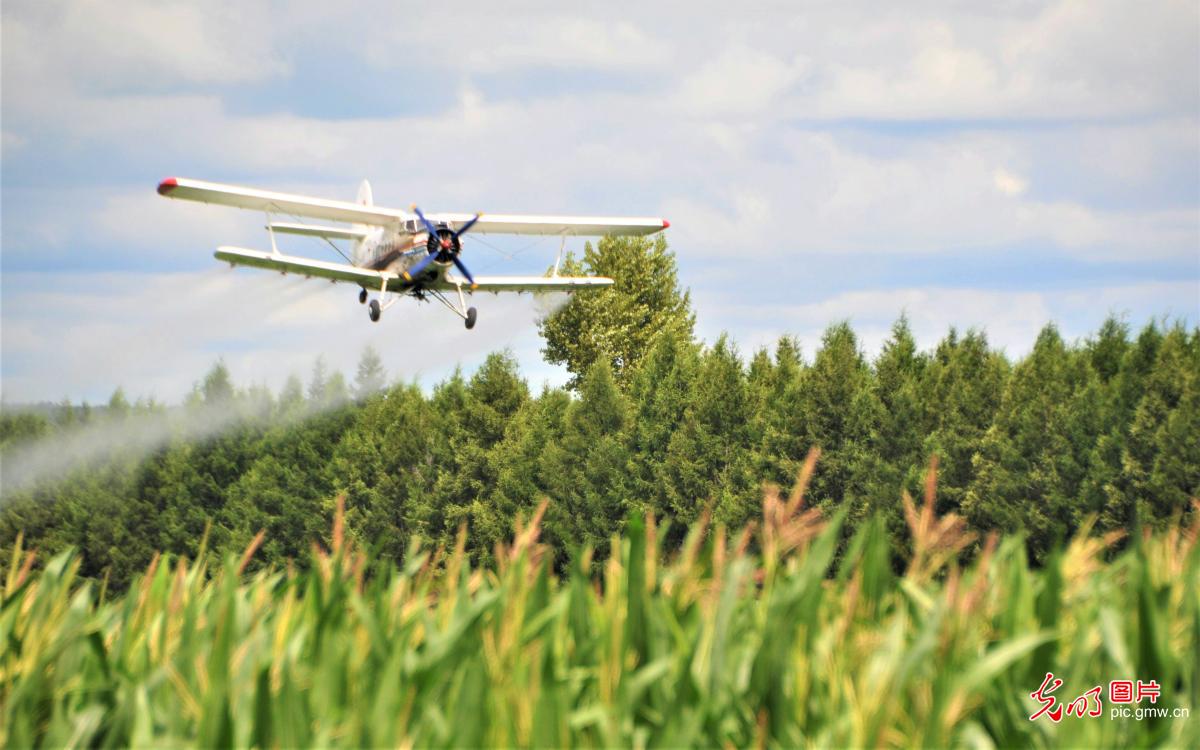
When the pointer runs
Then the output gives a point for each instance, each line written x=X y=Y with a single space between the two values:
x=407 y=253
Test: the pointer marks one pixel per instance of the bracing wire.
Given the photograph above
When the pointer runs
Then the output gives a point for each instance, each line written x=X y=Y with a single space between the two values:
x=300 y=220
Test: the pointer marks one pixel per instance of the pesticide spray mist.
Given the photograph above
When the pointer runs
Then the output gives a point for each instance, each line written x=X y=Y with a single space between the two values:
x=133 y=437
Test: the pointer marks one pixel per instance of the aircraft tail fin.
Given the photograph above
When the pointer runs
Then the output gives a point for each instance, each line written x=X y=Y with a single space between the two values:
x=364 y=198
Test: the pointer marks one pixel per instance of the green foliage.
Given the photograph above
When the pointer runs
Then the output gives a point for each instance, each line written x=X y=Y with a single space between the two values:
x=772 y=643
x=708 y=462
x=1107 y=427
x=586 y=468
x=619 y=323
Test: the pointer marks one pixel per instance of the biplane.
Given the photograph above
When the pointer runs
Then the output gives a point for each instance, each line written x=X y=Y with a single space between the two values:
x=399 y=253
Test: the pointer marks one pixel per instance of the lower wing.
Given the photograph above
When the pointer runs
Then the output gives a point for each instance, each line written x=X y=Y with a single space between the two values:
x=520 y=283
x=364 y=277
x=370 y=279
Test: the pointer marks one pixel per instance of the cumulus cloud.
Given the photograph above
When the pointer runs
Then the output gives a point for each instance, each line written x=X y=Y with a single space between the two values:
x=773 y=139
x=122 y=45
x=1011 y=319
x=156 y=334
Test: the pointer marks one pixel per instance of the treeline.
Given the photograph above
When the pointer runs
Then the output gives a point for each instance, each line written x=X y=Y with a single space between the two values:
x=652 y=422
x=1108 y=426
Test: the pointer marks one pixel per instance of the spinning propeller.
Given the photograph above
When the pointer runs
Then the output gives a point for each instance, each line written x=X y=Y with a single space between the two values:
x=443 y=245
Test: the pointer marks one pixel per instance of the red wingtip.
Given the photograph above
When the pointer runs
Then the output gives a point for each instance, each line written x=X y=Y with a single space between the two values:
x=666 y=223
x=167 y=185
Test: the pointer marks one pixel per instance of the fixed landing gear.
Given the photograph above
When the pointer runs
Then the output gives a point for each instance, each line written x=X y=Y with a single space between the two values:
x=362 y=296
x=373 y=309
x=470 y=319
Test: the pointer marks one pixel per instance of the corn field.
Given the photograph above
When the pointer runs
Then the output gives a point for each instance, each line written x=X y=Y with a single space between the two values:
x=782 y=634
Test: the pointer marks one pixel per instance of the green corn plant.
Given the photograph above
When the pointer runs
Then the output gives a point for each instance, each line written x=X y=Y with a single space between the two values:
x=783 y=634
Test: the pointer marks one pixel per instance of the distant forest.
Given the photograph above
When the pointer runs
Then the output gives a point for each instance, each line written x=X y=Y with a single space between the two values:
x=1106 y=428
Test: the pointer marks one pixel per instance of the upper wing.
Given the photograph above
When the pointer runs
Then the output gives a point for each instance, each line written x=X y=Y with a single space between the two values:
x=522 y=283
x=307 y=267
x=556 y=225
x=353 y=213
x=280 y=203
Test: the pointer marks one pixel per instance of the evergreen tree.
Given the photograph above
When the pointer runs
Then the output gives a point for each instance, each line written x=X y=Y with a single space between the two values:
x=1161 y=458
x=371 y=376
x=586 y=471
x=217 y=387
x=1030 y=466
x=708 y=459
x=291 y=399
x=471 y=420
x=118 y=405
x=779 y=431
x=659 y=394
x=318 y=382
x=383 y=463
x=517 y=464
x=960 y=391
x=841 y=415
x=286 y=490
x=900 y=462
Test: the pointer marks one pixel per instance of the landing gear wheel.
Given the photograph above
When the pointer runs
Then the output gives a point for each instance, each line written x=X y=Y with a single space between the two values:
x=373 y=310
x=362 y=297
x=471 y=315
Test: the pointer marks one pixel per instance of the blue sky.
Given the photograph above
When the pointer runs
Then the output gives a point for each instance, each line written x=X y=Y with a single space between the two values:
x=1002 y=165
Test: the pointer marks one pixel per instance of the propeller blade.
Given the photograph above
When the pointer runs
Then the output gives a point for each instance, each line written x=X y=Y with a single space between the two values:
x=428 y=224
x=414 y=272
x=463 y=270
x=463 y=229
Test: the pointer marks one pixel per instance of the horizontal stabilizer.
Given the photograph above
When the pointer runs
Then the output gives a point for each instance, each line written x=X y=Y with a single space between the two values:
x=310 y=230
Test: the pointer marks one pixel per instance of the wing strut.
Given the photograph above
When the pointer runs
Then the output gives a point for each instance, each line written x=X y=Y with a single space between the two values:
x=271 y=231
x=561 y=246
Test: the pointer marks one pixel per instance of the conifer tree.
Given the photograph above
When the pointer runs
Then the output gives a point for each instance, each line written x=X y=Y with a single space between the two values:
x=217 y=387
x=586 y=471
x=1161 y=458
x=777 y=422
x=318 y=381
x=960 y=391
x=899 y=372
x=118 y=405
x=517 y=465
x=841 y=413
x=708 y=459
x=472 y=420
x=383 y=463
x=1030 y=469
x=371 y=376
x=660 y=393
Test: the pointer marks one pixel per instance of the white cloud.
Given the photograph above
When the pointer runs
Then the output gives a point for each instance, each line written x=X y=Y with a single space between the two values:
x=741 y=83
x=1011 y=319
x=744 y=129
x=113 y=45
x=1008 y=183
x=10 y=141
x=564 y=42
x=157 y=334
